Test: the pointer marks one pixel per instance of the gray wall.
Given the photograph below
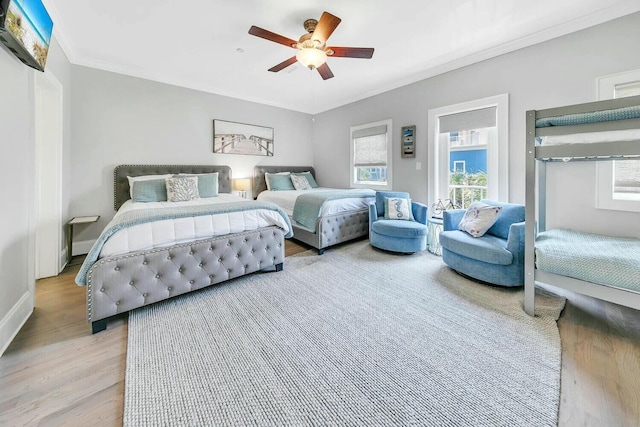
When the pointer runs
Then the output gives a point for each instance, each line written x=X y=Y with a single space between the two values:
x=17 y=188
x=559 y=72
x=126 y=120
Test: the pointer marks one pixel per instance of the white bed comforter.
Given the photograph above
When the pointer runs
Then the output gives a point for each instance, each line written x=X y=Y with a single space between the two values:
x=166 y=233
x=286 y=199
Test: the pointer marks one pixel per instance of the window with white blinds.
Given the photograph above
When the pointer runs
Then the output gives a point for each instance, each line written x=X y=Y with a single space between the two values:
x=371 y=155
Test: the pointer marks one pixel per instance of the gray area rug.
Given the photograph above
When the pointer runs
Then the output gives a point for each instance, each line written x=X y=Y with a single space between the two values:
x=353 y=337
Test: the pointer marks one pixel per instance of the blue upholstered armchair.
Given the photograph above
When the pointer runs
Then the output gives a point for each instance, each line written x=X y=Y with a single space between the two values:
x=497 y=257
x=406 y=236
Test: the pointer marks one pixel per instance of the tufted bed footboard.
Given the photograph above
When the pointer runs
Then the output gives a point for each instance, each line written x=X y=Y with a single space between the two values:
x=334 y=229
x=122 y=283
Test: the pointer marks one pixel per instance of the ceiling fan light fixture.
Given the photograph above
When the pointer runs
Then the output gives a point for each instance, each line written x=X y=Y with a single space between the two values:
x=311 y=57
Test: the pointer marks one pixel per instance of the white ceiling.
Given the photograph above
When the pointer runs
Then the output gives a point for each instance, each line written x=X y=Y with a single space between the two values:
x=195 y=43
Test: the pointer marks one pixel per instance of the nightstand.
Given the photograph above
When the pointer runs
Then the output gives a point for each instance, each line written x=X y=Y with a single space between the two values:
x=72 y=222
x=434 y=227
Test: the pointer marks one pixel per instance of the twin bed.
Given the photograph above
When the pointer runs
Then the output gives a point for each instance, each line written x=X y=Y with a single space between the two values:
x=603 y=267
x=156 y=249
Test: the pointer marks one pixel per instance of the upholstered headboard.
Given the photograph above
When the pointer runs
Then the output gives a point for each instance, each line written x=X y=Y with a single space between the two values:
x=121 y=183
x=259 y=183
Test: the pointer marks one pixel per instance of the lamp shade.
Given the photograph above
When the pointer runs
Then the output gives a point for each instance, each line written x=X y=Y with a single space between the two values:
x=311 y=57
x=242 y=184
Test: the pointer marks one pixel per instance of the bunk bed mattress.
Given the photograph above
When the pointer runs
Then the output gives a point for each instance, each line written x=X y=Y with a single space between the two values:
x=590 y=137
x=605 y=260
x=624 y=113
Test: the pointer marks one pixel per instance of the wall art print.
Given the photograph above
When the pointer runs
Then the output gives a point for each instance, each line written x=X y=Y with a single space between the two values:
x=241 y=138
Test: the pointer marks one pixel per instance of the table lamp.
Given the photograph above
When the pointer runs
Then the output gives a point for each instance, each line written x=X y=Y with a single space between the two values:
x=241 y=185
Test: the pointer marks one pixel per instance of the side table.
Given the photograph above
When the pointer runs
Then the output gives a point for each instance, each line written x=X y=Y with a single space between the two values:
x=74 y=221
x=434 y=227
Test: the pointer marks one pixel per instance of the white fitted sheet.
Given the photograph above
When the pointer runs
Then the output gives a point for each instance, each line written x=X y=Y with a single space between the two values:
x=590 y=137
x=159 y=234
x=286 y=199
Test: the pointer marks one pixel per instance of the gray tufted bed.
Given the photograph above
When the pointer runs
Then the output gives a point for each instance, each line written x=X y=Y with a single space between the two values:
x=330 y=229
x=120 y=283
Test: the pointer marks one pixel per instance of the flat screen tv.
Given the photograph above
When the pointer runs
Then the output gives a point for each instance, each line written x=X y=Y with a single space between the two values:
x=25 y=28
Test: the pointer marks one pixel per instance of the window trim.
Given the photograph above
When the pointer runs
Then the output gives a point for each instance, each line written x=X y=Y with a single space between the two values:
x=604 y=169
x=352 y=176
x=497 y=160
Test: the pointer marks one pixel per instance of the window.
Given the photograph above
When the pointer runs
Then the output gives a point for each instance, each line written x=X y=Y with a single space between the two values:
x=468 y=151
x=459 y=166
x=371 y=155
x=618 y=181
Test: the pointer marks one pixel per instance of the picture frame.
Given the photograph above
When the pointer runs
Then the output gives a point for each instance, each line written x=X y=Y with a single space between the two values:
x=242 y=138
x=408 y=141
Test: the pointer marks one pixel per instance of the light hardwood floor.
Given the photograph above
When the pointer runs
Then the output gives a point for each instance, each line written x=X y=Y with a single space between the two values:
x=56 y=373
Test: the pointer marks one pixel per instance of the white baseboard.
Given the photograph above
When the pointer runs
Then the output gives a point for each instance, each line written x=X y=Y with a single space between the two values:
x=14 y=320
x=82 y=247
x=62 y=262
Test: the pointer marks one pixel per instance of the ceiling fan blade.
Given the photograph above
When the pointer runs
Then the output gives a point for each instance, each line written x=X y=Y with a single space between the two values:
x=325 y=27
x=351 y=52
x=283 y=64
x=268 y=35
x=325 y=71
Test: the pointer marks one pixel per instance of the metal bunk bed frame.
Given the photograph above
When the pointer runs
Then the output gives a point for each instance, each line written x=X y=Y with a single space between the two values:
x=536 y=158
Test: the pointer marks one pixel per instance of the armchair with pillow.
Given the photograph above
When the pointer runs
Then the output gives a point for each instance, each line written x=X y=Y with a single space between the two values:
x=396 y=223
x=486 y=242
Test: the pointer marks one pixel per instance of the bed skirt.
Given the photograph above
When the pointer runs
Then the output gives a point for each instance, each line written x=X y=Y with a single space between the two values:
x=122 y=283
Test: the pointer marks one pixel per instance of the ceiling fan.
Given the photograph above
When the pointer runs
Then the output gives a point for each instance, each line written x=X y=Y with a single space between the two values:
x=312 y=46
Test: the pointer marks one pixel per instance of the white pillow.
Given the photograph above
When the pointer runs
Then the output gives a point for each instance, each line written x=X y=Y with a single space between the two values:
x=182 y=189
x=300 y=182
x=397 y=208
x=278 y=173
x=479 y=218
x=133 y=179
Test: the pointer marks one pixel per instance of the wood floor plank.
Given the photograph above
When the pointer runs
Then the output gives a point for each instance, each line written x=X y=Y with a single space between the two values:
x=56 y=372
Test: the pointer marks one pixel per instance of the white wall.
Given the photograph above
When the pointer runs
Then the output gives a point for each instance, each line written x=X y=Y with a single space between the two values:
x=126 y=120
x=17 y=189
x=555 y=73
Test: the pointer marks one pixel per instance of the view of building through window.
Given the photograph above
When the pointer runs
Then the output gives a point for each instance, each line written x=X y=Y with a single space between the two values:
x=468 y=165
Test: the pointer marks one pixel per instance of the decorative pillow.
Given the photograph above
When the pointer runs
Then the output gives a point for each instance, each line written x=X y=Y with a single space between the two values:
x=397 y=208
x=182 y=189
x=150 y=190
x=207 y=183
x=277 y=182
x=312 y=182
x=478 y=218
x=267 y=176
x=300 y=182
x=133 y=179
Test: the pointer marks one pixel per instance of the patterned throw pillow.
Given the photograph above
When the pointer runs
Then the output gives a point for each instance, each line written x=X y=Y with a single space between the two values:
x=397 y=208
x=182 y=189
x=479 y=218
x=300 y=182
x=309 y=176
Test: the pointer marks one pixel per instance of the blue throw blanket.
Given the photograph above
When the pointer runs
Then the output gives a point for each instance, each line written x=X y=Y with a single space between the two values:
x=142 y=216
x=307 y=207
